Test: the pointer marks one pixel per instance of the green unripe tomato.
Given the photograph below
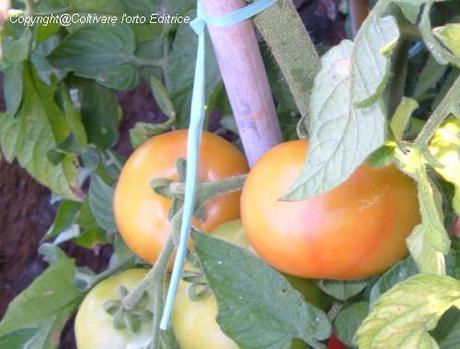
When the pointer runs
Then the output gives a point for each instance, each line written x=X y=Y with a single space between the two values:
x=94 y=326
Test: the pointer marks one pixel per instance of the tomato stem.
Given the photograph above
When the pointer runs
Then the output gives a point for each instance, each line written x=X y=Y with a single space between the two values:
x=447 y=106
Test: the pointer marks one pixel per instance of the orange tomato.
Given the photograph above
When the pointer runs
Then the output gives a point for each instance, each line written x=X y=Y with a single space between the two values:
x=356 y=230
x=142 y=215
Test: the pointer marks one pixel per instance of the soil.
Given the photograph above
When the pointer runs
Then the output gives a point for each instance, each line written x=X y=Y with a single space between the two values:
x=25 y=210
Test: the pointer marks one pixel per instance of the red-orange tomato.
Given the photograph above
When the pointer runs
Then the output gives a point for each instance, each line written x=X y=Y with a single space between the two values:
x=142 y=215
x=356 y=230
x=334 y=343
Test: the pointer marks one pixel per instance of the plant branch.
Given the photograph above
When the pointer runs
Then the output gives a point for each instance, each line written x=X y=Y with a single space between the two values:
x=155 y=275
x=447 y=106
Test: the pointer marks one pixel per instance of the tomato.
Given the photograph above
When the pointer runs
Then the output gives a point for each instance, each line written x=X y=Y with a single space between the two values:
x=142 y=215
x=334 y=343
x=194 y=322
x=353 y=231
x=94 y=326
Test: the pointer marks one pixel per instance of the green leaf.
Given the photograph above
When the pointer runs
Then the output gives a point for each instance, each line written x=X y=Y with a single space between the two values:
x=449 y=36
x=17 y=339
x=64 y=219
x=429 y=241
x=402 y=316
x=162 y=98
x=142 y=132
x=47 y=72
x=101 y=202
x=429 y=77
x=104 y=53
x=13 y=87
x=294 y=51
x=401 y=117
x=39 y=127
x=342 y=290
x=341 y=135
x=396 y=274
x=44 y=305
x=51 y=253
x=447 y=332
x=100 y=112
x=16 y=49
x=382 y=157
x=428 y=259
x=411 y=8
x=74 y=119
x=181 y=71
x=274 y=317
x=439 y=52
x=348 y=321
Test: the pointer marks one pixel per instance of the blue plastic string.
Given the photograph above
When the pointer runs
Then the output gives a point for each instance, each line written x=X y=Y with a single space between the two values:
x=194 y=135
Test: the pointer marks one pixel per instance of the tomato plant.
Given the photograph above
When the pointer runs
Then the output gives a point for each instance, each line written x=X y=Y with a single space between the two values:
x=97 y=101
x=142 y=215
x=94 y=325
x=367 y=218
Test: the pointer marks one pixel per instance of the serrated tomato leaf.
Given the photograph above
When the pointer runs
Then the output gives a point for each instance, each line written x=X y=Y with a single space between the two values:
x=258 y=308
x=44 y=305
x=348 y=321
x=39 y=127
x=347 y=117
x=101 y=52
x=404 y=314
x=101 y=203
x=342 y=290
x=399 y=272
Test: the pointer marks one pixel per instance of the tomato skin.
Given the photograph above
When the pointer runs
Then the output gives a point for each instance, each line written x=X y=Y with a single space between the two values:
x=142 y=215
x=194 y=322
x=334 y=343
x=93 y=325
x=353 y=231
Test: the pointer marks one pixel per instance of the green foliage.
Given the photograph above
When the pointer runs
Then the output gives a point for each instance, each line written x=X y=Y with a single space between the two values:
x=42 y=309
x=104 y=53
x=39 y=127
x=274 y=313
x=62 y=122
x=346 y=113
x=404 y=314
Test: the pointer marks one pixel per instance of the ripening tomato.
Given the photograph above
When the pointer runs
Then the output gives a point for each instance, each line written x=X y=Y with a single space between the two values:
x=94 y=326
x=194 y=322
x=142 y=215
x=335 y=343
x=353 y=231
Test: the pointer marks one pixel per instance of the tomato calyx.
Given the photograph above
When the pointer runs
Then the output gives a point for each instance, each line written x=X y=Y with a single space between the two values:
x=175 y=190
x=199 y=289
x=130 y=319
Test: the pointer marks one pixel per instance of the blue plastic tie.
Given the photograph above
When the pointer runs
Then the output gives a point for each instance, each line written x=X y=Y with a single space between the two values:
x=194 y=136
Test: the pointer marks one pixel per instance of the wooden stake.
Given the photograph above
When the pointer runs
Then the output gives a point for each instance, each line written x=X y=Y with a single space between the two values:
x=245 y=79
x=359 y=9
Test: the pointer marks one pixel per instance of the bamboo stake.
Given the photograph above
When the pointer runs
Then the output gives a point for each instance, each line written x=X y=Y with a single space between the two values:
x=359 y=9
x=245 y=79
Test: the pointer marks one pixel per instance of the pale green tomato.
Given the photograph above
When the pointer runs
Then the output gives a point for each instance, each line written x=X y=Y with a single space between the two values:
x=93 y=325
x=194 y=322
